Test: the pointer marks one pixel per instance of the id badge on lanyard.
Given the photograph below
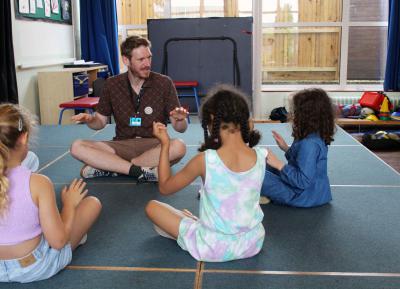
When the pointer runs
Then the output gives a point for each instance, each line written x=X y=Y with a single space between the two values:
x=135 y=121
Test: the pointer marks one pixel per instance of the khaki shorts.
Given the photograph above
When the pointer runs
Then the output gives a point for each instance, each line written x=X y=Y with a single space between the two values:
x=131 y=148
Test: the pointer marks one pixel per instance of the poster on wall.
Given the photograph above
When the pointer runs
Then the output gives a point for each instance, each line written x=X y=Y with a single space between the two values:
x=47 y=11
x=56 y=11
x=65 y=9
x=32 y=6
x=23 y=6
x=54 y=6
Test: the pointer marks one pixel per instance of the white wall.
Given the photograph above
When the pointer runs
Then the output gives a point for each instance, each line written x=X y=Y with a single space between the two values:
x=38 y=43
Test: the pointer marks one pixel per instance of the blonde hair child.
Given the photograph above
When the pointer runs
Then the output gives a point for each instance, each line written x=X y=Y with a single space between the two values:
x=36 y=241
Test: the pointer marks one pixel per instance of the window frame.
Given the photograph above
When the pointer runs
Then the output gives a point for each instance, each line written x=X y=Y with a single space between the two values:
x=345 y=25
x=257 y=12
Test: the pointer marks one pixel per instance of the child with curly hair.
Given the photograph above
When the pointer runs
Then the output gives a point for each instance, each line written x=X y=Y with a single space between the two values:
x=303 y=181
x=230 y=223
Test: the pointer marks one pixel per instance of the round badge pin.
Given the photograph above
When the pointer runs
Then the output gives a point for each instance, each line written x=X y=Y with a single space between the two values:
x=148 y=110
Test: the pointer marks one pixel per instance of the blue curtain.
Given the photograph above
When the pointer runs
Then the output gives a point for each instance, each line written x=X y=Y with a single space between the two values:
x=99 y=33
x=8 y=78
x=392 y=75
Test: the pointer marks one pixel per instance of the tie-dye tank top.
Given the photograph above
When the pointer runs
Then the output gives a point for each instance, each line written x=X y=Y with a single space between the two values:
x=230 y=222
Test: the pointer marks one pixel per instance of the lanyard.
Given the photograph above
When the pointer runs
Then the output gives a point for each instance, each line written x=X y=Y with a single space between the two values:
x=138 y=98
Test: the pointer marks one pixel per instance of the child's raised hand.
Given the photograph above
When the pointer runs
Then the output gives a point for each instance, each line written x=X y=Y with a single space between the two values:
x=280 y=141
x=74 y=194
x=160 y=132
x=273 y=161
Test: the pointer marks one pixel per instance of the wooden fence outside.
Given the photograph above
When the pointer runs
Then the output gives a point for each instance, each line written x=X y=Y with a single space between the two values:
x=290 y=54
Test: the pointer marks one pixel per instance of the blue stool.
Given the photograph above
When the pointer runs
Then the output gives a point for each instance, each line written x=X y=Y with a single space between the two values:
x=185 y=86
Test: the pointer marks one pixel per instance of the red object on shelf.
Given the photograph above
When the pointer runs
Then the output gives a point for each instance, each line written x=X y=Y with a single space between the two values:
x=372 y=99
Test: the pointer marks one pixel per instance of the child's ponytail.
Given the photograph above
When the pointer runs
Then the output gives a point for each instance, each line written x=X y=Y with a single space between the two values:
x=4 y=154
x=212 y=141
x=254 y=138
x=14 y=121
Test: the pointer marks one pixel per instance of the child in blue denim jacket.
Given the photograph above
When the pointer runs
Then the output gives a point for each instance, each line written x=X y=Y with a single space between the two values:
x=303 y=181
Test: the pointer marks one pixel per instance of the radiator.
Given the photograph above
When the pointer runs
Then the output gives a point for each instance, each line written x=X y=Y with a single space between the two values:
x=343 y=100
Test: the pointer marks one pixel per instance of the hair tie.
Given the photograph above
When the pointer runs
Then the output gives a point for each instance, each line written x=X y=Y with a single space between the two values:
x=20 y=124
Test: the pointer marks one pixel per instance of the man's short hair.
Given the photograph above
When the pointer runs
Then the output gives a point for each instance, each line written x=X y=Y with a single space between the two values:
x=133 y=42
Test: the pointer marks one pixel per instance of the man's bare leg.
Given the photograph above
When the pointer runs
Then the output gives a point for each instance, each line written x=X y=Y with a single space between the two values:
x=99 y=155
x=150 y=158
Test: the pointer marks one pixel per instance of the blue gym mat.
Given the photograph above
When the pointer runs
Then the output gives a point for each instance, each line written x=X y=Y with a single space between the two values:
x=351 y=243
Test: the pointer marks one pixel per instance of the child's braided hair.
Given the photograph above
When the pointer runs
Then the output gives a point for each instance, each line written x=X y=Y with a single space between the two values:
x=225 y=104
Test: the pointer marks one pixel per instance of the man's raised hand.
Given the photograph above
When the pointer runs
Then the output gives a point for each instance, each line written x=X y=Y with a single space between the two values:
x=179 y=113
x=82 y=118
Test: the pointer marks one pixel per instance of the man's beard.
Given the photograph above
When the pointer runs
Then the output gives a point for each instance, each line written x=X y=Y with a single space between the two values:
x=141 y=74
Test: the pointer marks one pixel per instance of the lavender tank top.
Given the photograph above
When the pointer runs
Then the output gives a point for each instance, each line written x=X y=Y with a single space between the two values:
x=20 y=221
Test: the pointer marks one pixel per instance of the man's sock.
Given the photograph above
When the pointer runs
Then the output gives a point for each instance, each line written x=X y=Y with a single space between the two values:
x=135 y=171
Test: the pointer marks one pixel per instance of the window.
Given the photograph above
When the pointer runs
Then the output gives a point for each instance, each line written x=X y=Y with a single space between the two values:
x=367 y=54
x=333 y=42
x=133 y=15
x=336 y=43
x=367 y=41
x=301 y=55
x=197 y=8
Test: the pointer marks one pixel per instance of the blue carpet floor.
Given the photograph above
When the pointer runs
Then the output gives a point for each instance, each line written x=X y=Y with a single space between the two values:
x=351 y=243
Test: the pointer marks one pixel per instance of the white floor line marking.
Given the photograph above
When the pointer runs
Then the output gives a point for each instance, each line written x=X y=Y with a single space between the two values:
x=274 y=145
x=351 y=274
x=258 y=272
x=192 y=145
x=355 y=186
x=53 y=161
x=99 y=131
x=347 y=145
x=139 y=269
x=50 y=146
x=63 y=155
x=199 y=184
x=368 y=186
x=101 y=183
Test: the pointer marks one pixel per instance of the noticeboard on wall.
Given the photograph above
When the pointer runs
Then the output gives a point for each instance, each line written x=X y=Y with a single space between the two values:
x=56 y=11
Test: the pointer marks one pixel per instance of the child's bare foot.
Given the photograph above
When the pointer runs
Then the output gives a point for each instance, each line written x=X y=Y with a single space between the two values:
x=264 y=200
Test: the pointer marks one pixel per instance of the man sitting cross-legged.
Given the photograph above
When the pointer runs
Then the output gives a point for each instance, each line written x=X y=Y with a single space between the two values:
x=136 y=99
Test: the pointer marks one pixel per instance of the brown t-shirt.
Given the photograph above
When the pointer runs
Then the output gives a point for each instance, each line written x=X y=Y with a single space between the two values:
x=158 y=98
